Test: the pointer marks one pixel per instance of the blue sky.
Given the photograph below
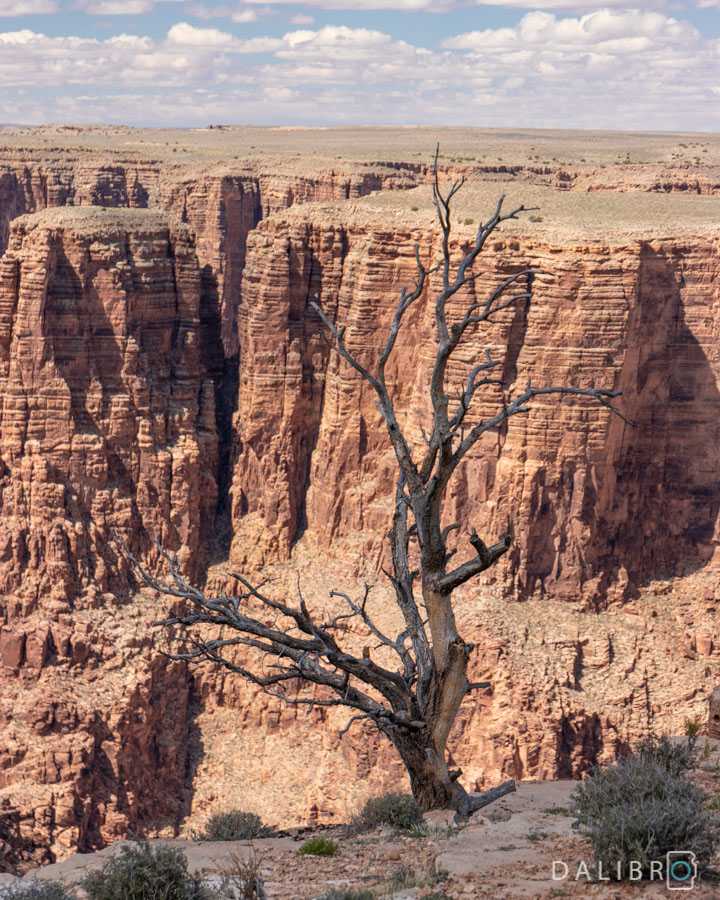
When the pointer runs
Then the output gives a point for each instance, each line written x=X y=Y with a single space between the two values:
x=564 y=63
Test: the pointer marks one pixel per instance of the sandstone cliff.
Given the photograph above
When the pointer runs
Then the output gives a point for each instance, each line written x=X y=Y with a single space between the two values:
x=108 y=430
x=106 y=410
x=590 y=495
x=162 y=376
x=617 y=546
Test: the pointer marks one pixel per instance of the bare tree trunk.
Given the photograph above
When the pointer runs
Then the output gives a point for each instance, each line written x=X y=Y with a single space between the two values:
x=430 y=779
x=450 y=654
x=433 y=785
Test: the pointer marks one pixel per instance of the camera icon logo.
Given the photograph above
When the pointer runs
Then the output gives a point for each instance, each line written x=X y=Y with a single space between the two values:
x=681 y=870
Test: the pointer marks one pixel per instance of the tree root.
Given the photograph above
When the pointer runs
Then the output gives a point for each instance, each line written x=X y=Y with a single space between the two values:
x=473 y=802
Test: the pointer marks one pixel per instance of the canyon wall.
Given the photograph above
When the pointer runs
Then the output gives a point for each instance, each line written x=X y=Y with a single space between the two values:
x=106 y=405
x=162 y=376
x=108 y=437
x=616 y=552
x=600 y=505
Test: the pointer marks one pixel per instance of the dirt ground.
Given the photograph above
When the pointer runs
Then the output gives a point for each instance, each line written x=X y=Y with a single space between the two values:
x=508 y=852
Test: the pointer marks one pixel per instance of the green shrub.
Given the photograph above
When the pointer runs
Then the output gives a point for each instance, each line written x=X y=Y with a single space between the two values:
x=36 y=890
x=142 y=872
x=319 y=846
x=676 y=758
x=395 y=810
x=234 y=825
x=642 y=808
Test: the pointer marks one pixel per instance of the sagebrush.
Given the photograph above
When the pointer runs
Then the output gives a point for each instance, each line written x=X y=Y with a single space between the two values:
x=642 y=808
x=36 y=890
x=676 y=757
x=241 y=879
x=399 y=811
x=144 y=872
x=234 y=825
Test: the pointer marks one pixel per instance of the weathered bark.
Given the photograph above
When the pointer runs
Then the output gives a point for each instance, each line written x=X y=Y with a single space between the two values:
x=430 y=779
x=433 y=785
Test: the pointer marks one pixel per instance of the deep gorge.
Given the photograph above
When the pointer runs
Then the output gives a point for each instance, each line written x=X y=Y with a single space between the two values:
x=162 y=377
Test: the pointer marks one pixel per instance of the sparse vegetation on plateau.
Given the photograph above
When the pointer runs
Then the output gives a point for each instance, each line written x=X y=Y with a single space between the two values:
x=242 y=879
x=643 y=807
x=37 y=890
x=144 y=872
x=675 y=757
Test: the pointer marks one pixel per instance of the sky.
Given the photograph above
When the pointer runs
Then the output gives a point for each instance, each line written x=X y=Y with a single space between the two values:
x=521 y=63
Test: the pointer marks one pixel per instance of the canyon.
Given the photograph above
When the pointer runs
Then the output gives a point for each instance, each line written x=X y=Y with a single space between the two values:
x=165 y=382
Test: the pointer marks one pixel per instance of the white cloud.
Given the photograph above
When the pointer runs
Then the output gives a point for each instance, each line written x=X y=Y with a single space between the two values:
x=27 y=7
x=302 y=19
x=605 y=30
x=242 y=15
x=184 y=33
x=117 y=7
x=611 y=68
x=367 y=5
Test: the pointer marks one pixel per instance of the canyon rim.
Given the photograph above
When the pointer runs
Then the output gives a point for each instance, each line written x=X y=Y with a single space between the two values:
x=163 y=376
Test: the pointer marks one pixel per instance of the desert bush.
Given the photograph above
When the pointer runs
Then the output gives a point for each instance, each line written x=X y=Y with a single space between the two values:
x=241 y=879
x=36 y=890
x=676 y=758
x=234 y=825
x=142 y=872
x=642 y=808
x=319 y=846
x=395 y=810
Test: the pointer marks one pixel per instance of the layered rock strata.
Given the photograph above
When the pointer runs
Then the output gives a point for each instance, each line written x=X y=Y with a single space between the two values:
x=108 y=439
x=166 y=378
x=600 y=504
x=106 y=407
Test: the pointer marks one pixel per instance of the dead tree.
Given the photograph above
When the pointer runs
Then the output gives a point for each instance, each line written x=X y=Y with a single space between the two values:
x=413 y=701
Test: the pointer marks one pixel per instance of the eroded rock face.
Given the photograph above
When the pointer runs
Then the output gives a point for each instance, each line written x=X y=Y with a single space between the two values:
x=106 y=408
x=94 y=739
x=108 y=437
x=600 y=505
x=165 y=377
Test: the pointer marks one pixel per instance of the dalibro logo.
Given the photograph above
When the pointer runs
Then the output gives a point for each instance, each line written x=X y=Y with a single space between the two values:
x=678 y=870
x=681 y=870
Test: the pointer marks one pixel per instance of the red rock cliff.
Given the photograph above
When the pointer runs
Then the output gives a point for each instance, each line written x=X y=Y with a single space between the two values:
x=108 y=429
x=106 y=410
x=600 y=506
x=154 y=373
